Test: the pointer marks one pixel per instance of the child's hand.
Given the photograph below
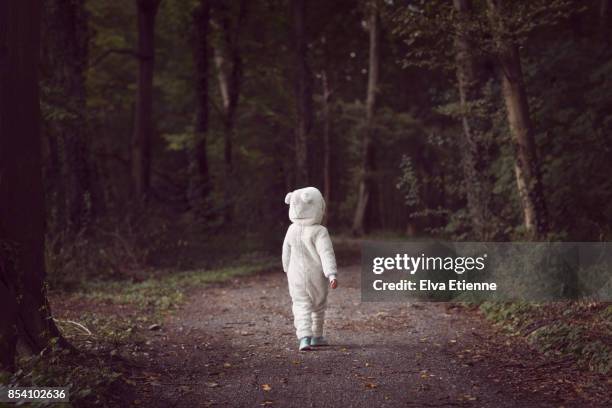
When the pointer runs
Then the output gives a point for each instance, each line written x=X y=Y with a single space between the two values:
x=333 y=283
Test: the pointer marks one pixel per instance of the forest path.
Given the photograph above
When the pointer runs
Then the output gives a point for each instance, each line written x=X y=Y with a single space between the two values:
x=233 y=345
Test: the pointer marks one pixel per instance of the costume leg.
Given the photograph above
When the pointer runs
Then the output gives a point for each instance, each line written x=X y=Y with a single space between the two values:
x=302 y=319
x=318 y=318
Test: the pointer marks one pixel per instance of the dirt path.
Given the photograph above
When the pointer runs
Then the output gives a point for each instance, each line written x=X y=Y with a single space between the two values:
x=233 y=342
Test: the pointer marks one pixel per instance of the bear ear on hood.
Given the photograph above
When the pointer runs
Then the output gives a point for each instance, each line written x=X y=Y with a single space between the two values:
x=288 y=198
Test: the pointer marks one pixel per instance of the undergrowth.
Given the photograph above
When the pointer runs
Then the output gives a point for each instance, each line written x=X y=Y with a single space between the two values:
x=166 y=291
x=109 y=323
x=581 y=331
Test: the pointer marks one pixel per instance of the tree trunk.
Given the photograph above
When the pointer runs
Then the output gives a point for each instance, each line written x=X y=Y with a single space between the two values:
x=368 y=152
x=475 y=157
x=22 y=211
x=326 y=143
x=199 y=186
x=66 y=48
x=55 y=187
x=527 y=168
x=228 y=61
x=604 y=19
x=143 y=124
x=8 y=324
x=303 y=93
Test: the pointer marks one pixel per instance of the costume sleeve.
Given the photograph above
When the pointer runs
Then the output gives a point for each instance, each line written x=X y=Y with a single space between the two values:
x=286 y=251
x=326 y=253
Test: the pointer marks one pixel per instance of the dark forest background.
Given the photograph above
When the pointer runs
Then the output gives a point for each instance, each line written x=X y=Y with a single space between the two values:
x=467 y=120
x=170 y=131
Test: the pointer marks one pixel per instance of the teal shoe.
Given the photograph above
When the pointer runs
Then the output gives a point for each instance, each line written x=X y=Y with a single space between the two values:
x=305 y=344
x=318 y=341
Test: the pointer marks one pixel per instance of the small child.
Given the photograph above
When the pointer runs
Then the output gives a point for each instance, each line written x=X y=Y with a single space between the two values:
x=309 y=262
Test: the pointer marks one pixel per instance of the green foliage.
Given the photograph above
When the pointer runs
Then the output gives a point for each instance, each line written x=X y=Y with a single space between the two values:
x=429 y=28
x=573 y=123
x=417 y=121
x=166 y=292
x=408 y=182
x=511 y=315
x=565 y=65
x=110 y=333
x=567 y=339
x=110 y=248
x=90 y=380
x=579 y=330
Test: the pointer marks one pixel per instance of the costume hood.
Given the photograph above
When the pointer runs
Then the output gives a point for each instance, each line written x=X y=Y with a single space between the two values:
x=306 y=206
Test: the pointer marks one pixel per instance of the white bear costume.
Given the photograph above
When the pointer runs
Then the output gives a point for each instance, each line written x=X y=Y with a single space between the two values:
x=308 y=260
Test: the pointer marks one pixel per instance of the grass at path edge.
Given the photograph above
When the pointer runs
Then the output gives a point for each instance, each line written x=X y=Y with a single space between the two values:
x=109 y=323
x=167 y=291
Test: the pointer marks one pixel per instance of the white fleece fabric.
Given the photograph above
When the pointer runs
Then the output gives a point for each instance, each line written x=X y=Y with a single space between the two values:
x=308 y=260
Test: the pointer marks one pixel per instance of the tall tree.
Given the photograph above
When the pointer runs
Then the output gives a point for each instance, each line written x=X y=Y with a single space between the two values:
x=303 y=91
x=475 y=157
x=228 y=61
x=368 y=151
x=326 y=97
x=604 y=18
x=25 y=313
x=66 y=52
x=143 y=124
x=199 y=174
x=527 y=166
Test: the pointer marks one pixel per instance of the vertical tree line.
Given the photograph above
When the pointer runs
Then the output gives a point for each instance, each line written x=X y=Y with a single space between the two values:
x=368 y=143
x=527 y=166
x=475 y=148
x=143 y=121
x=66 y=59
x=229 y=65
x=25 y=310
x=303 y=91
x=199 y=182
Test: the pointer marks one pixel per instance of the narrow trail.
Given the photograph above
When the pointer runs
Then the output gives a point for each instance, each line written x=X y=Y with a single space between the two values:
x=234 y=345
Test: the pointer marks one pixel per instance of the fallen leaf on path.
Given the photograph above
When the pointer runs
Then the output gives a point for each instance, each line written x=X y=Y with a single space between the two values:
x=212 y=384
x=371 y=385
x=128 y=381
x=467 y=397
x=227 y=365
x=266 y=387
